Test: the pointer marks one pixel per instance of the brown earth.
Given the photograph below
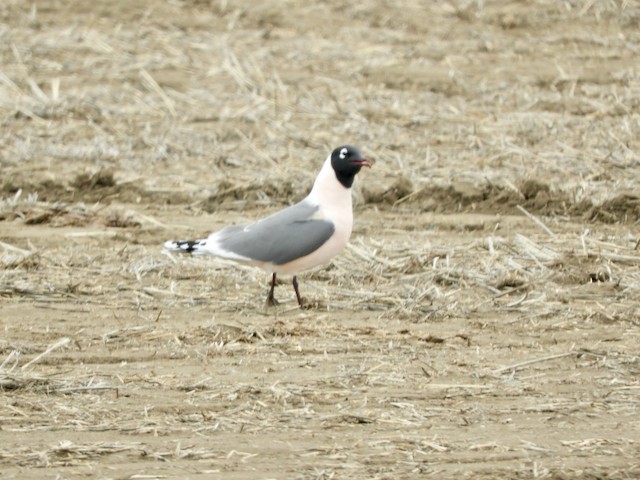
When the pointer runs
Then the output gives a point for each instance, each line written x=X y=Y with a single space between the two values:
x=484 y=321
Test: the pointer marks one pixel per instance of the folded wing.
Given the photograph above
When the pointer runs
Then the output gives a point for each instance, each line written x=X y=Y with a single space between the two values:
x=278 y=239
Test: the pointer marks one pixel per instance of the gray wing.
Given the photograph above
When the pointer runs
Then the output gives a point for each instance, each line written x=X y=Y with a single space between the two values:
x=280 y=238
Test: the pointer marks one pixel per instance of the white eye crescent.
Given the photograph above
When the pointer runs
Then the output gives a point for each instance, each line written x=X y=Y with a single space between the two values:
x=343 y=153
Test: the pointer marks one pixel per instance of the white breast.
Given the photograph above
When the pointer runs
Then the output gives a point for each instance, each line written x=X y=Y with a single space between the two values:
x=335 y=205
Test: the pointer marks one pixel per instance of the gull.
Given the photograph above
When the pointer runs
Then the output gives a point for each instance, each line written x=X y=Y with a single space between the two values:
x=295 y=239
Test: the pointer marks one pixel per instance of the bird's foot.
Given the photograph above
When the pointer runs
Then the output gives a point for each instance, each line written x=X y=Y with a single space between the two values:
x=304 y=305
x=271 y=301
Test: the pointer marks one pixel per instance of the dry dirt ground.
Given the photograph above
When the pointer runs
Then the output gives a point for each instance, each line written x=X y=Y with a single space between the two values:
x=484 y=322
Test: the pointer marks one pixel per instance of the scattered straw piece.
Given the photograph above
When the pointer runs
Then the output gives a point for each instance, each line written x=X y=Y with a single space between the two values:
x=515 y=366
x=7 y=246
x=15 y=356
x=155 y=87
x=536 y=220
x=54 y=346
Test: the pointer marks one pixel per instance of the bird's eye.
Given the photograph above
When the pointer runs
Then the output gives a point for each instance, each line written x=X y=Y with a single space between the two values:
x=343 y=153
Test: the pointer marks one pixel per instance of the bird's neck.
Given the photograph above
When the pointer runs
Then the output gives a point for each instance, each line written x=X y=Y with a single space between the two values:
x=328 y=191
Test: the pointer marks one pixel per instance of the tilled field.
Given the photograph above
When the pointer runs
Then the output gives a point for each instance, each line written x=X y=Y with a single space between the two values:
x=483 y=322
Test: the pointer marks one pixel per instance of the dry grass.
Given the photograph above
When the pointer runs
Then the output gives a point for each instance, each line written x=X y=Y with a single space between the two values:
x=411 y=353
x=483 y=322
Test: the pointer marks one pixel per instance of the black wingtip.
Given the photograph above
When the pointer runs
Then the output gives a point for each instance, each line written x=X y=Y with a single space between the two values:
x=186 y=246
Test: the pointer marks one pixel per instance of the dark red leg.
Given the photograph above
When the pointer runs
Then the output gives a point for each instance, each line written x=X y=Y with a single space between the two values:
x=295 y=287
x=271 y=300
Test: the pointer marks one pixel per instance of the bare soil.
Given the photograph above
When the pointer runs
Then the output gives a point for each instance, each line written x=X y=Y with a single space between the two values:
x=484 y=321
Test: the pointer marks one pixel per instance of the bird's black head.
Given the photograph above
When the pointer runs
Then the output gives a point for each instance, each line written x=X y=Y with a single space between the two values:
x=346 y=162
